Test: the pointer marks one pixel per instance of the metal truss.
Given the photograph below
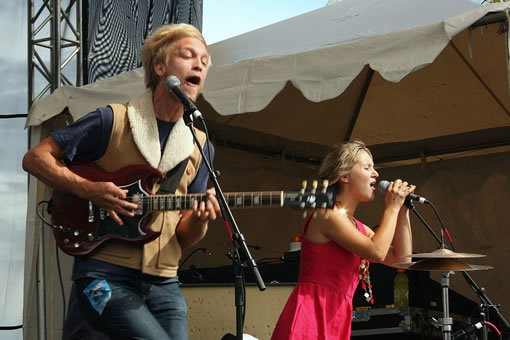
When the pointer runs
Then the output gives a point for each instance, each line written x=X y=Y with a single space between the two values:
x=55 y=58
x=55 y=47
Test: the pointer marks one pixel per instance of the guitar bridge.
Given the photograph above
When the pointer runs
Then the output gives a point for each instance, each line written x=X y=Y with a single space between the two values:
x=102 y=214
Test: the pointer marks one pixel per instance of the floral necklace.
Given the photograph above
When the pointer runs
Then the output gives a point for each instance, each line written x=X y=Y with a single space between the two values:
x=364 y=274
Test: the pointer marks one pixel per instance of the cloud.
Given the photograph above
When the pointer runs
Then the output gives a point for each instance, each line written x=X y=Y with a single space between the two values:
x=13 y=25
x=13 y=87
x=13 y=57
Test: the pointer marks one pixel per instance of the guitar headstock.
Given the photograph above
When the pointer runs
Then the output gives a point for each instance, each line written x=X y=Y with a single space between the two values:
x=312 y=198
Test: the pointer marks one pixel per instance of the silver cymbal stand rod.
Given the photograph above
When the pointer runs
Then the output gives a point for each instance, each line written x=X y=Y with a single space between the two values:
x=446 y=321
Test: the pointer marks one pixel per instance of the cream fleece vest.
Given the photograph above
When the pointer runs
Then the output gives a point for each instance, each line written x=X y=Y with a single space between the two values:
x=135 y=140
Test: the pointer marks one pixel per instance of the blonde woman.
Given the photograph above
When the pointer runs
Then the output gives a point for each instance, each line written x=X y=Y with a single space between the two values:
x=336 y=251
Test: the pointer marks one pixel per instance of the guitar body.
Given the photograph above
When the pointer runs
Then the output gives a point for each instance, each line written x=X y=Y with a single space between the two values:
x=82 y=227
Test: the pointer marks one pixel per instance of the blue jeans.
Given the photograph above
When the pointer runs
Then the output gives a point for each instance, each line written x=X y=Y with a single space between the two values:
x=137 y=310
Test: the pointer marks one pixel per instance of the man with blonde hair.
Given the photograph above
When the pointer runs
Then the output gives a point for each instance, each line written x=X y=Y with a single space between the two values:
x=125 y=289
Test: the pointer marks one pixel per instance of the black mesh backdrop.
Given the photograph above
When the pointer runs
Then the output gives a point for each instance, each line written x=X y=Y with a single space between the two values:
x=115 y=30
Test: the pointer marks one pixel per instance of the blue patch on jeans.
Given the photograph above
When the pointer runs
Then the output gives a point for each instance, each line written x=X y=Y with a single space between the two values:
x=99 y=293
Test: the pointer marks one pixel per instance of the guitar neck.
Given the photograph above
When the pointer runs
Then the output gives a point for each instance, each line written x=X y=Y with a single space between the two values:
x=233 y=199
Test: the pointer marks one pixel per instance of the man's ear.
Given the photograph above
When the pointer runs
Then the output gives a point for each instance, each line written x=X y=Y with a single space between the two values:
x=160 y=69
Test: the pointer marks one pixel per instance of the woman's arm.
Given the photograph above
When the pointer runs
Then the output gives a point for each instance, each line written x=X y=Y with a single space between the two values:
x=403 y=240
x=339 y=228
x=374 y=246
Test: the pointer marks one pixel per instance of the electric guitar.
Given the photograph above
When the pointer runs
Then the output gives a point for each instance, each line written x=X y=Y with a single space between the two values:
x=80 y=226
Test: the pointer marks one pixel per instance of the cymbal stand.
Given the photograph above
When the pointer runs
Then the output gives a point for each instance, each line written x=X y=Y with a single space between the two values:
x=446 y=322
x=486 y=304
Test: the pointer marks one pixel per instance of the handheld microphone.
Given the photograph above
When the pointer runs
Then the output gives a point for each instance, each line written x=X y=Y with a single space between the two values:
x=172 y=83
x=383 y=186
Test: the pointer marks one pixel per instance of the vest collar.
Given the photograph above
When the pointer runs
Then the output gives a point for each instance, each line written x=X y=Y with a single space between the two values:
x=142 y=120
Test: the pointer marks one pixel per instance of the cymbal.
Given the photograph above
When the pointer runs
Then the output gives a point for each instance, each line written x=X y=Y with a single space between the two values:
x=440 y=265
x=445 y=254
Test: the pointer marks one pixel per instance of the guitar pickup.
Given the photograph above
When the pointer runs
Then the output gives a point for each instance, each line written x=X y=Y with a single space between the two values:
x=137 y=199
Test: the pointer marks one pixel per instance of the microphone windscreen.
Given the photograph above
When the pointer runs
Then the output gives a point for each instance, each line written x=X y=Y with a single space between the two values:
x=171 y=82
x=383 y=186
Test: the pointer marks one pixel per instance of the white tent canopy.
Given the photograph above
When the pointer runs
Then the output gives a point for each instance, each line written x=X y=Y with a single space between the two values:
x=322 y=51
x=308 y=82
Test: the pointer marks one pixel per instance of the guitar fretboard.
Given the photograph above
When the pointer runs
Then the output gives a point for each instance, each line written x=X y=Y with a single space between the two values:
x=234 y=200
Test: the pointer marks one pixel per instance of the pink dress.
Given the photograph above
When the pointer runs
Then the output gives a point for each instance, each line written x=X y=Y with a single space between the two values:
x=320 y=306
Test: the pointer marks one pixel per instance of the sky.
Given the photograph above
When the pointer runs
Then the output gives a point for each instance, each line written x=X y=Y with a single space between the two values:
x=222 y=19
x=245 y=15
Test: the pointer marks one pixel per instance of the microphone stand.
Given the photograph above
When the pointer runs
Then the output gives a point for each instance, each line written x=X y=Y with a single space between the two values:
x=236 y=237
x=486 y=304
x=410 y=205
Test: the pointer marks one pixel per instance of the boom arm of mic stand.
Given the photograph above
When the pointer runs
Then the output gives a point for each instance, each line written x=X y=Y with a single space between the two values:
x=238 y=237
x=409 y=204
x=481 y=293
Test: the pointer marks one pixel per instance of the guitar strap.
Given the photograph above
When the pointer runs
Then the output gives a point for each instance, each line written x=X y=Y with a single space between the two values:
x=173 y=178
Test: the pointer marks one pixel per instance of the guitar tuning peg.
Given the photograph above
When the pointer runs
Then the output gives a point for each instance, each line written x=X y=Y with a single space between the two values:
x=315 y=214
x=305 y=214
x=304 y=183
x=325 y=184
x=314 y=186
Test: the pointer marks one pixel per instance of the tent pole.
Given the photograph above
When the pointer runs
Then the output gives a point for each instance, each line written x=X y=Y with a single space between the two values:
x=489 y=18
x=359 y=104
x=479 y=77
x=41 y=300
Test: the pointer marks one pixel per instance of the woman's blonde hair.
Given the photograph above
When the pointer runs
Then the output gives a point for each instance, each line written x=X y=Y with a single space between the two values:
x=340 y=160
x=154 y=48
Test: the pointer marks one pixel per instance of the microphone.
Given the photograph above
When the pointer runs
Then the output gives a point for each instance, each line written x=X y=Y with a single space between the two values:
x=383 y=186
x=173 y=84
